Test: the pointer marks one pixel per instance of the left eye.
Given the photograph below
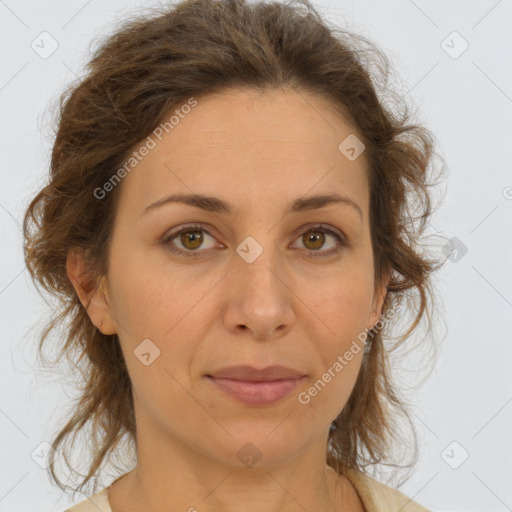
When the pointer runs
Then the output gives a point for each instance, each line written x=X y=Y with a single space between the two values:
x=192 y=238
x=316 y=238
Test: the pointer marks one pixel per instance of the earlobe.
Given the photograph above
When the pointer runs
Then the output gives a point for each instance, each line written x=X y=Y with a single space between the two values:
x=99 y=310
x=77 y=273
x=92 y=297
x=378 y=299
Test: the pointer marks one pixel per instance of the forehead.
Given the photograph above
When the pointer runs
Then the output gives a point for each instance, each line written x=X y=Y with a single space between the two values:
x=249 y=147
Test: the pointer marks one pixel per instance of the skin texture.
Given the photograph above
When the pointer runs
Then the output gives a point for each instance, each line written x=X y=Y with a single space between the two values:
x=258 y=152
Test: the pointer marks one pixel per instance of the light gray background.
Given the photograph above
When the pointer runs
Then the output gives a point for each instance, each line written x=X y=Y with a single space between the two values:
x=466 y=101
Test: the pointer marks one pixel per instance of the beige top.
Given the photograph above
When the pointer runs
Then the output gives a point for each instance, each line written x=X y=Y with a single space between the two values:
x=376 y=497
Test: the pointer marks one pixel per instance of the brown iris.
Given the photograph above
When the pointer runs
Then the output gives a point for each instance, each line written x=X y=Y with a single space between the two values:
x=315 y=237
x=195 y=238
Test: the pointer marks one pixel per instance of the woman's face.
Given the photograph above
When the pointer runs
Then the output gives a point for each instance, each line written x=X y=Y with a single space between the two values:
x=257 y=285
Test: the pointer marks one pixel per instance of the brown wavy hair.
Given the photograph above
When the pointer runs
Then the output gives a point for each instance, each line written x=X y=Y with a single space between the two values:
x=134 y=79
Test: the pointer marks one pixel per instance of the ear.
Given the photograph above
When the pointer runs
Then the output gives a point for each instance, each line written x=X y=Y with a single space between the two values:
x=94 y=297
x=379 y=296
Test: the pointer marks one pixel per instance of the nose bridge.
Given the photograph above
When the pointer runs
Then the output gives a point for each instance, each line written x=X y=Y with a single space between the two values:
x=258 y=264
x=262 y=301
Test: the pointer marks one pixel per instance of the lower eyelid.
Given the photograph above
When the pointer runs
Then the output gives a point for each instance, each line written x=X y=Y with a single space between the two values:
x=169 y=238
x=340 y=243
x=340 y=239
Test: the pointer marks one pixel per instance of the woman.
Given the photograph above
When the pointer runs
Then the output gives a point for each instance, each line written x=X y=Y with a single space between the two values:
x=228 y=224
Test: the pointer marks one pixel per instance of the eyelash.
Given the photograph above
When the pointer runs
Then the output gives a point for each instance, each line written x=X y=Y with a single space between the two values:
x=315 y=254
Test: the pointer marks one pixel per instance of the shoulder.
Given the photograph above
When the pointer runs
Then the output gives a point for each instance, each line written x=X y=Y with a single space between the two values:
x=378 y=497
x=96 y=503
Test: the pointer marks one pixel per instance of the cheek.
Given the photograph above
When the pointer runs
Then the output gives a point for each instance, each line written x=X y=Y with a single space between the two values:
x=167 y=308
x=150 y=300
x=339 y=350
x=158 y=326
x=343 y=305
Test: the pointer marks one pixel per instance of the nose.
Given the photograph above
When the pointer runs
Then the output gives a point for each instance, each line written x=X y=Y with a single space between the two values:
x=260 y=300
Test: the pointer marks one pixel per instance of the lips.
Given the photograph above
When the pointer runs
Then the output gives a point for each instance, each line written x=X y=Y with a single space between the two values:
x=249 y=373
x=256 y=387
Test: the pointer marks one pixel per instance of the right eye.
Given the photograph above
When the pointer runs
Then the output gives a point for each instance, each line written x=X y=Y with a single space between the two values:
x=190 y=238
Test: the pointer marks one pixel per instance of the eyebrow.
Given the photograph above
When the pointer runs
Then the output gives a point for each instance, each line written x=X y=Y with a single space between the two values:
x=216 y=205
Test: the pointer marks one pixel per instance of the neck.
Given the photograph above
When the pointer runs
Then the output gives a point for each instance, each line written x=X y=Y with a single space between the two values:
x=202 y=484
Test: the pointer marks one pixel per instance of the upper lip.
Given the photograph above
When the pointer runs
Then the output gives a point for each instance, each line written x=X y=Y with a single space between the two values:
x=249 y=373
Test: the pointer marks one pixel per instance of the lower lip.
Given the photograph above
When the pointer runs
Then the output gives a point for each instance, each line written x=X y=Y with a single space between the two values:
x=256 y=393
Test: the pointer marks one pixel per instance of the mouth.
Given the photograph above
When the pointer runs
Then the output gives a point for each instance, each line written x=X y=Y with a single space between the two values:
x=256 y=393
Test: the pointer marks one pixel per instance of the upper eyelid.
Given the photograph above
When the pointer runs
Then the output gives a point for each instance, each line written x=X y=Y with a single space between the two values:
x=311 y=226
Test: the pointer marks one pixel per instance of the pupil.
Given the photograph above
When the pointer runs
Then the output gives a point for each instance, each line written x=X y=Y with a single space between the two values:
x=314 y=238
x=192 y=237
